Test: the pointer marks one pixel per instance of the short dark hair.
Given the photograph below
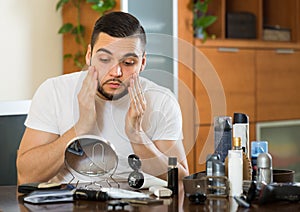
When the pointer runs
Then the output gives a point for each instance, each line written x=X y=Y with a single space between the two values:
x=118 y=24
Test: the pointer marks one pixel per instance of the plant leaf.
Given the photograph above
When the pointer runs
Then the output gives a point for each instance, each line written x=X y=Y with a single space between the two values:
x=93 y=1
x=78 y=30
x=65 y=28
x=201 y=6
x=66 y=56
x=204 y=21
x=103 y=5
x=61 y=3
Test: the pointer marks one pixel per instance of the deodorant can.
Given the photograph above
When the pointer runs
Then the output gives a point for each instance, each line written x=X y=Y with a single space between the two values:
x=264 y=168
x=257 y=147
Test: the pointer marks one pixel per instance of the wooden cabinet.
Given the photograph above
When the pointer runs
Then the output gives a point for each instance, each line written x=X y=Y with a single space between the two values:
x=258 y=77
x=232 y=74
x=224 y=84
x=278 y=74
x=267 y=13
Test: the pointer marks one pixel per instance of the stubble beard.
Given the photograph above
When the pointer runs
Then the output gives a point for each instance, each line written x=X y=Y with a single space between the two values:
x=112 y=96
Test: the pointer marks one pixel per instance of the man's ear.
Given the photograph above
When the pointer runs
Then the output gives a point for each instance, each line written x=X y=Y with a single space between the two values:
x=88 y=55
x=144 y=62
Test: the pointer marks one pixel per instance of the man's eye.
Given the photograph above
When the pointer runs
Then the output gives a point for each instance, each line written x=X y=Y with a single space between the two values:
x=129 y=62
x=104 y=60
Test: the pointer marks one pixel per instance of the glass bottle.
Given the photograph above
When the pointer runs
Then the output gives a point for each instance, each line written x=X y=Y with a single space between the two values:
x=173 y=175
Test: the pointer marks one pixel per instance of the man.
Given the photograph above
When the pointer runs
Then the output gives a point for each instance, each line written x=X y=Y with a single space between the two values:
x=109 y=100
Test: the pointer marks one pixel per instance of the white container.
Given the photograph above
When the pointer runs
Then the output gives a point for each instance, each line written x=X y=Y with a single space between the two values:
x=235 y=172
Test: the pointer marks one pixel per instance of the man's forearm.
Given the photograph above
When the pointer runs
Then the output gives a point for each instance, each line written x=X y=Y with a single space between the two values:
x=43 y=162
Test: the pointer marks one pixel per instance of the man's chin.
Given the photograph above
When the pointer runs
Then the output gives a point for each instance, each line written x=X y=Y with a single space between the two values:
x=111 y=95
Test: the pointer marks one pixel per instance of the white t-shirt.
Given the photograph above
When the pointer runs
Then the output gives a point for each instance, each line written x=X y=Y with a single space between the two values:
x=54 y=109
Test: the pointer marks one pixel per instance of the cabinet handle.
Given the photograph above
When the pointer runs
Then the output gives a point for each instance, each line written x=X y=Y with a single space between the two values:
x=225 y=49
x=285 y=51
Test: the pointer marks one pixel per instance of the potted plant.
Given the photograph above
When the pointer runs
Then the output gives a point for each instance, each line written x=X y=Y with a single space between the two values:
x=202 y=19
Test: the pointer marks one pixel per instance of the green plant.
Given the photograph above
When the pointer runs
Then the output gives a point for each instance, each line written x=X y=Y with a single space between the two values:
x=201 y=19
x=78 y=30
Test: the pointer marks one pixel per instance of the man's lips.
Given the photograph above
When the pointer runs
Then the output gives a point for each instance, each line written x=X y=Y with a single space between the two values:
x=114 y=83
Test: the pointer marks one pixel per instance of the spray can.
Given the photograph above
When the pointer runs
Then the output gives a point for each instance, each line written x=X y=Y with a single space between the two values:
x=264 y=168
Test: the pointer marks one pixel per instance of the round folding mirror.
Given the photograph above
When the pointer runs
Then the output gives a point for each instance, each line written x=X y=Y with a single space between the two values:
x=91 y=156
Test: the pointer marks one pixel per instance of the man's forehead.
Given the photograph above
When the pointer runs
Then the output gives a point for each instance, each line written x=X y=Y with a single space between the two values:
x=118 y=45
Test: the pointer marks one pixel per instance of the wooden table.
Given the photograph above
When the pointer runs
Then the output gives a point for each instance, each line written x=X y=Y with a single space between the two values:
x=11 y=201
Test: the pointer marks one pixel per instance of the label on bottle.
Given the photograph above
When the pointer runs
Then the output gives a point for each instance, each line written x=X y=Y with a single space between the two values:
x=173 y=180
x=235 y=172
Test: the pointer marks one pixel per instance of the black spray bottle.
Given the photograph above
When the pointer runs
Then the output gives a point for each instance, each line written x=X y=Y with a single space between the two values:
x=173 y=175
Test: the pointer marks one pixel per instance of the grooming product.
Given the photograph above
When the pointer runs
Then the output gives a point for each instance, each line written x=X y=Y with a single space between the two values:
x=235 y=172
x=222 y=135
x=240 y=128
x=138 y=179
x=264 y=168
x=173 y=175
x=209 y=163
x=160 y=191
x=215 y=171
x=219 y=182
x=247 y=166
x=257 y=147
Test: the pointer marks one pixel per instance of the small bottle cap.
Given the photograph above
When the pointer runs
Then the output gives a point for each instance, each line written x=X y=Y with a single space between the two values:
x=264 y=160
x=240 y=118
x=237 y=142
x=258 y=147
x=134 y=162
x=172 y=161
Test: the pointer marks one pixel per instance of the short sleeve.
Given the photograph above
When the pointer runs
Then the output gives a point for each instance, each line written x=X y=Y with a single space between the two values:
x=42 y=112
x=169 y=120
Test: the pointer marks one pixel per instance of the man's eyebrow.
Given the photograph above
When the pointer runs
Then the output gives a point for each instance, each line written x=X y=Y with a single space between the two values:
x=130 y=55
x=104 y=50
x=124 y=56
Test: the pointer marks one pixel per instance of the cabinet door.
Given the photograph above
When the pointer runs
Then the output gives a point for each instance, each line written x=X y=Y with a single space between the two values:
x=226 y=88
x=278 y=87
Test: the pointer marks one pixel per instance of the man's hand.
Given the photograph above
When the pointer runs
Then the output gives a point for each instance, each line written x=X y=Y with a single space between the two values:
x=87 y=123
x=134 y=116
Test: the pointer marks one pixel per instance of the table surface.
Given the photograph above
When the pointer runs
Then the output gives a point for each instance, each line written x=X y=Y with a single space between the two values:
x=11 y=200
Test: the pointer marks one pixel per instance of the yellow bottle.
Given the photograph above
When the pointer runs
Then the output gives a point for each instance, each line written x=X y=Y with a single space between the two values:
x=247 y=167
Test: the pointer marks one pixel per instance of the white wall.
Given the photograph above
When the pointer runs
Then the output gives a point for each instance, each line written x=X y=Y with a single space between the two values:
x=31 y=49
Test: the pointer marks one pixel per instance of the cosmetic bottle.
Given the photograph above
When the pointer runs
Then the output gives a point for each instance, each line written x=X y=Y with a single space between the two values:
x=247 y=167
x=240 y=128
x=219 y=182
x=173 y=175
x=264 y=169
x=235 y=172
x=222 y=136
x=257 y=147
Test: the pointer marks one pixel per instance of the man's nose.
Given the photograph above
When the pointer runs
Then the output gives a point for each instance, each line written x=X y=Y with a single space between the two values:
x=116 y=71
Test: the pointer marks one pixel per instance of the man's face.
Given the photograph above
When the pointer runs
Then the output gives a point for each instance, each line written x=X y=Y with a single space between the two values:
x=116 y=60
